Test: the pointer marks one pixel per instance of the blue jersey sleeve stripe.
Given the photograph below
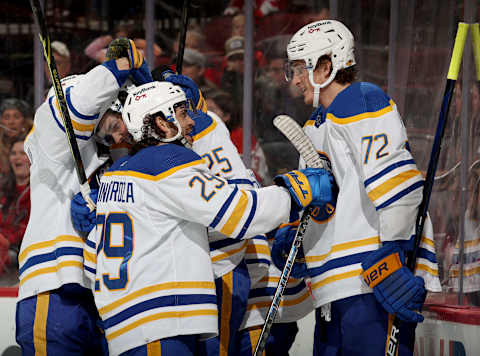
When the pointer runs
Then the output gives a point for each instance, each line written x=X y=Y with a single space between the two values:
x=120 y=75
x=424 y=253
x=252 y=261
x=241 y=181
x=75 y=111
x=80 y=137
x=91 y=244
x=61 y=251
x=469 y=257
x=250 y=216
x=159 y=302
x=387 y=170
x=338 y=262
x=215 y=245
x=269 y=291
x=223 y=209
x=400 y=194
x=89 y=269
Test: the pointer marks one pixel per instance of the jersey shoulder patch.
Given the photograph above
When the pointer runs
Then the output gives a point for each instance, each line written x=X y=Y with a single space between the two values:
x=358 y=99
x=156 y=160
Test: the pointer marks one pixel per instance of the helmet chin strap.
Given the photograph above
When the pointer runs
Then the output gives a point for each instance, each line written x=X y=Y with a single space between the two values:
x=317 y=87
x=178 y=136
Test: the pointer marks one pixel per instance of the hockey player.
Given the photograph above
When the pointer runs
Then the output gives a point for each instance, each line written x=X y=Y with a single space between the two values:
x=211 y=141
x=154 y=286
x=243 y=296
x=56 y=314
x=357 y=127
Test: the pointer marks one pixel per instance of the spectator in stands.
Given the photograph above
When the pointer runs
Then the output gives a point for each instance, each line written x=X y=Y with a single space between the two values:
x=194 y=64
x=61 y=54
x=232 y=78
x=220 y=103
x=262 y=7
x=195 y=39
x=14 y=211
x=97 y=49
x=15 y=120
x=238 y=25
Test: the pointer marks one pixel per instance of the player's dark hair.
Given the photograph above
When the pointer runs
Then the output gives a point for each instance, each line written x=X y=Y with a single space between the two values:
x=343 y=76
x=149 y=131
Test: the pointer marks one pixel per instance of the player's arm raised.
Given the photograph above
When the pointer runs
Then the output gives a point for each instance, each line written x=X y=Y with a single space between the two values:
x=238 y=213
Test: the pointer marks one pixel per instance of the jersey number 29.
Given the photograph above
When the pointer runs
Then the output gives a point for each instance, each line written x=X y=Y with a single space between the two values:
x=110 y=226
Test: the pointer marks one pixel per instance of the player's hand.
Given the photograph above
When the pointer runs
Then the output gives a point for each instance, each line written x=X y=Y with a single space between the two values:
x=124 y=47
x=394 y=285
x=281 y=248
x=83 y=219
x=189 y=87
x=310 y=186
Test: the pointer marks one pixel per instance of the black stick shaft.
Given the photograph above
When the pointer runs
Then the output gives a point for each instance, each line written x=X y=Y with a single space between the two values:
x=393 y=336
x=47 y=48
x=282 y=283
x=183 y=36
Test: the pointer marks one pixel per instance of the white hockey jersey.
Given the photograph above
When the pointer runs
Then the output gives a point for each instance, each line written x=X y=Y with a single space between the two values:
x=211 y=141
x=380 y=189
x=152 y=263
x=51 y=253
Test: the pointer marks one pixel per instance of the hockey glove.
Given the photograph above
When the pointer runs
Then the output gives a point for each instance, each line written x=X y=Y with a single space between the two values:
x=315 y=186
x=124 y=47
x=189 y=87
x=281 y=248
x=394 y=285
x=83 y=219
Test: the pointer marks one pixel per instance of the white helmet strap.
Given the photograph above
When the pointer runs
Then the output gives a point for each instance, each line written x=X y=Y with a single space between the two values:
x=178 y=136
x=317 y=87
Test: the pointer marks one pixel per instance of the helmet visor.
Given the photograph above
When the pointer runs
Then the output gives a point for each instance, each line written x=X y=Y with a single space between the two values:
x=294 y=68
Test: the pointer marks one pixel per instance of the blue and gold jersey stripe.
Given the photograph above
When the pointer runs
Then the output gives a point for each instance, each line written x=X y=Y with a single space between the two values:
x=47 y=244
x=391 y=183
x=155 y=288
x=162 y=315
x=371 y=241
x=365 y=115
x=151 y=177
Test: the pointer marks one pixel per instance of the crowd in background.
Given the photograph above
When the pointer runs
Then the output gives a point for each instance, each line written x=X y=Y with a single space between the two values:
x=215 y=61
x=216 y=69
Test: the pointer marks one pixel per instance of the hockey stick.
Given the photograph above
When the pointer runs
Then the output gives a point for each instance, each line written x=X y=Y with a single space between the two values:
x=183 y=37
x=292 y=130
x=391 y=347
x=62 y=104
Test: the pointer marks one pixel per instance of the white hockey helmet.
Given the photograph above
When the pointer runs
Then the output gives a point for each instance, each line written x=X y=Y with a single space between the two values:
x=319 y=38
x=149 y=99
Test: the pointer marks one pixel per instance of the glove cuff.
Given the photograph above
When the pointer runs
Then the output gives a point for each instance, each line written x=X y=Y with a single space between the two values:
x=298 y=185
x=382 y=269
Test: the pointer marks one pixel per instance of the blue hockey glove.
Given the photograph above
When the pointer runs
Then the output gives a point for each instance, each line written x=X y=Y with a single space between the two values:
x=189 y=87
x=315 y=186
x=124 y=47
x=281 y=248
x=83 y=219
x=142 y=74
x=394 y=285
